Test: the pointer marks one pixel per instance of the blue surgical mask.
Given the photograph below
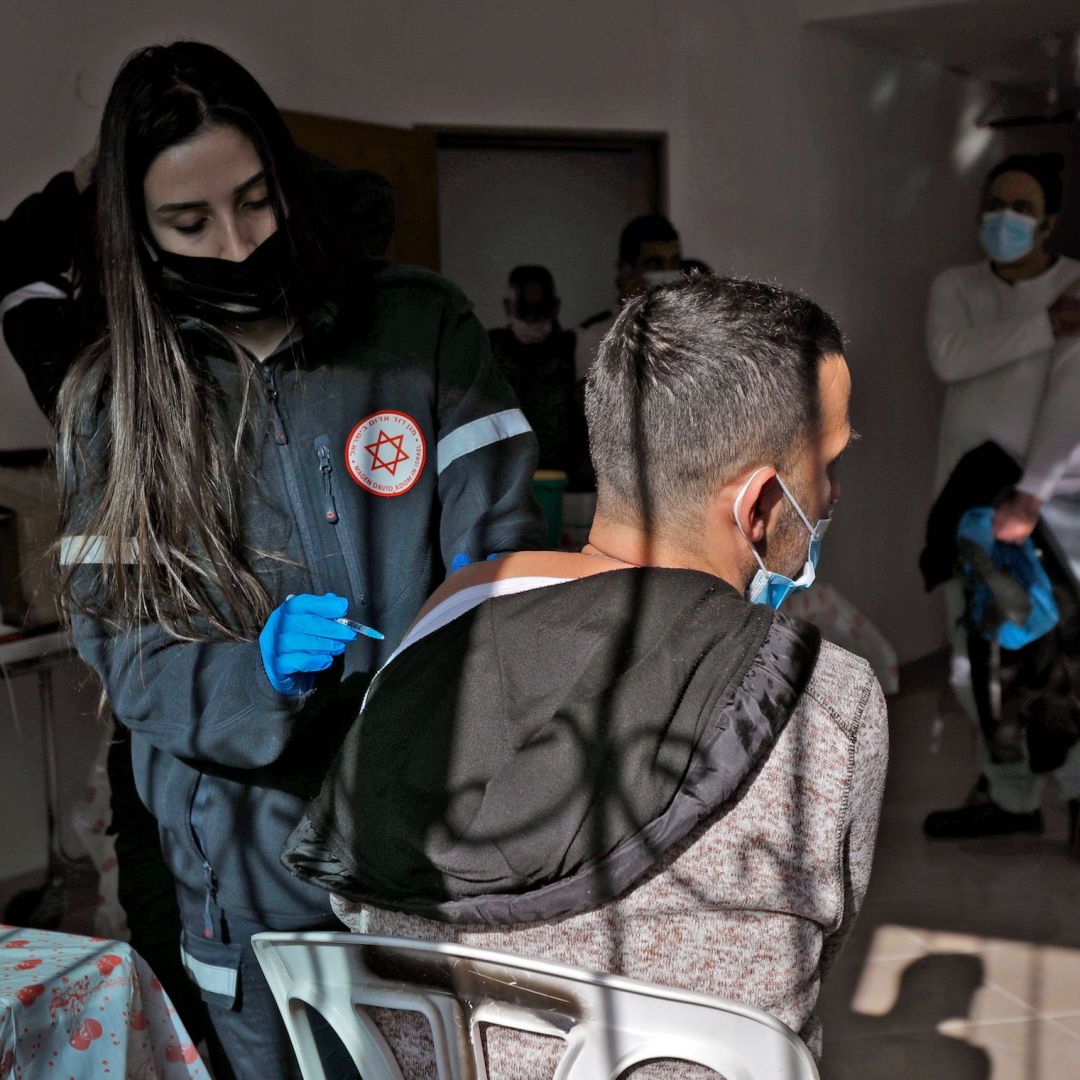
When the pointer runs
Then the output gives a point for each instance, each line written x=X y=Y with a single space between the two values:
x=1007 y=236
x=768 y=586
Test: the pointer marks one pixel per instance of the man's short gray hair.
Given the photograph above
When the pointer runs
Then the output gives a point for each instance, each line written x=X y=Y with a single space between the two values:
x=697 y=382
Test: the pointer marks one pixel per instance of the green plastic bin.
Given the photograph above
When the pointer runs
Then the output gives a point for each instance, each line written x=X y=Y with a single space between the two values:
x=548 y=485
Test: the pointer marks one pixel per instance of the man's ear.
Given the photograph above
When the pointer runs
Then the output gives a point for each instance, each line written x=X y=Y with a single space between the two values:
x=508 y=307
x=555 y=305
x=754 y=510
x=1047 y=225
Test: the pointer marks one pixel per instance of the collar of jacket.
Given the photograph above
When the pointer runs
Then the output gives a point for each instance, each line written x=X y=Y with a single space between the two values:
x=591 y=726
x=320 y=322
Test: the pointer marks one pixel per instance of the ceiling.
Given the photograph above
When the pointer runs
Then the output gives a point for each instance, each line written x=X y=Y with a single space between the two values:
x=1017 y=44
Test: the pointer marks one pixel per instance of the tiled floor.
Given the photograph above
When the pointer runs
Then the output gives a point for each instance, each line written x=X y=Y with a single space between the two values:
x=965 y=964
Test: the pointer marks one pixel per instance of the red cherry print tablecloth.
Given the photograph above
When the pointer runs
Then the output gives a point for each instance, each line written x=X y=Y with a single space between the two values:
x=77 y=1007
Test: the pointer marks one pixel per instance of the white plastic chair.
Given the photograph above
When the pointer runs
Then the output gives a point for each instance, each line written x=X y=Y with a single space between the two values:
x=609 y=1023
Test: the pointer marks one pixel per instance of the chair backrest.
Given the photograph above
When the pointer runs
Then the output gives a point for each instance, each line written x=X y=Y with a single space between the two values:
x=608 y=1023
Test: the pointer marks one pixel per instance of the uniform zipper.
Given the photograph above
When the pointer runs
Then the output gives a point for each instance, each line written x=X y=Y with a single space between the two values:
x=288 y=469
x=280 y=437
x=333 y=516
x=322 y=448
x=196 y=815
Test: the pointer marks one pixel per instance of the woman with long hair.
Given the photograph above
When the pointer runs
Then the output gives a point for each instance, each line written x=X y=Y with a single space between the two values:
x=272 y=448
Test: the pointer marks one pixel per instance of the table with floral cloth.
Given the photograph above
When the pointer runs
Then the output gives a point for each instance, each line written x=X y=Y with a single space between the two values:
x=74 y=1007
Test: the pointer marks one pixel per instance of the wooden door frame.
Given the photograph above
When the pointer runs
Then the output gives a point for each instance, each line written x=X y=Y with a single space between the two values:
x=405 y=157
x=654 y=143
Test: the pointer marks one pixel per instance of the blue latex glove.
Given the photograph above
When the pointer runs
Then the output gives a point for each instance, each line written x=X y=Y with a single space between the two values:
x=463 y=559
x=300 y=638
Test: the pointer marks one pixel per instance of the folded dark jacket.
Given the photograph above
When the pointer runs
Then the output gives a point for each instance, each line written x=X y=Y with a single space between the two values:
x=537 y=755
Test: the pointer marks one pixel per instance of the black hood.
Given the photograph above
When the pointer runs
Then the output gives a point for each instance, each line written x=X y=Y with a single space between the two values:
x=538 y=754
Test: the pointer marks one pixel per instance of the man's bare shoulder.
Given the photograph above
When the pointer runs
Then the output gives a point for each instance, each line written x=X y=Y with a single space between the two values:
x=845 y=686
x=519 y=564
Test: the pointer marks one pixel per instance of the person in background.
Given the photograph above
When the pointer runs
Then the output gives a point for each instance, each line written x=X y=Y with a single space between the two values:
x=268 y=435
x=537 y=357
x=625 y=758
x=1003 y=334
x=649 y=255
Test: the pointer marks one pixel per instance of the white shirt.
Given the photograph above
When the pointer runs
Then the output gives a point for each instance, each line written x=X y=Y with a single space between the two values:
x=1008 y=378
x=459 y=603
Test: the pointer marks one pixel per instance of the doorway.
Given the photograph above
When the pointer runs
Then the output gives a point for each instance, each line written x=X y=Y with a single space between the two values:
x=559 y=199
x=404 y=157
x=476 y=202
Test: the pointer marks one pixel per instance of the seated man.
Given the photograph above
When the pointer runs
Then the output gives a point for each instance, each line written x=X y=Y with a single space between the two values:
x=625 y=759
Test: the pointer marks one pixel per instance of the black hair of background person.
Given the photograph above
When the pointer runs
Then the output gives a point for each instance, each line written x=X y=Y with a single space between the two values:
x=648 y=228
x=521 y=277
x=1045 y=168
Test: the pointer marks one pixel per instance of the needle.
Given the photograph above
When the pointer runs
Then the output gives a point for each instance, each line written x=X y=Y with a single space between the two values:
x=360 y=628
x=352 y=624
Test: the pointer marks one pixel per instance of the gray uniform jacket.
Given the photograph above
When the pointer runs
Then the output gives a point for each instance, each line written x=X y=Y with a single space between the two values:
x=391 y=444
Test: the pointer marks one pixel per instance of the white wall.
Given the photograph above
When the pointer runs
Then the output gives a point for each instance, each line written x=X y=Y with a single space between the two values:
x=795 y=154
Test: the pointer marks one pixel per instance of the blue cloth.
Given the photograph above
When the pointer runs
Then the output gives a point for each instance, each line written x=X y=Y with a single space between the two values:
x=1022 y=564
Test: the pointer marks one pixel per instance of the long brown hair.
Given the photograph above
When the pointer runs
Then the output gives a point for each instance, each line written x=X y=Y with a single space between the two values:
x=156 y=481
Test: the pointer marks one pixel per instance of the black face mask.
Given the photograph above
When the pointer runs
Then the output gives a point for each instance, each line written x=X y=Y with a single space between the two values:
x=217 y=289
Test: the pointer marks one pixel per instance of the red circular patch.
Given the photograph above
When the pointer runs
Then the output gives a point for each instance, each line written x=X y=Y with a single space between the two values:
x=385 y=453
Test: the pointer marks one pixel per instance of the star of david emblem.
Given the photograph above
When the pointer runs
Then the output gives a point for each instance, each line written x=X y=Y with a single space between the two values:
x=395 y=455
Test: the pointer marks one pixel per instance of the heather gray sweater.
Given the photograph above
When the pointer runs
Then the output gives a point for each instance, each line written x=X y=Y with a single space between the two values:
x=753 y=905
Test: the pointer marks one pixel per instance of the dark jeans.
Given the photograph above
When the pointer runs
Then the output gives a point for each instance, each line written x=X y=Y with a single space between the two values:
x=250 y=1027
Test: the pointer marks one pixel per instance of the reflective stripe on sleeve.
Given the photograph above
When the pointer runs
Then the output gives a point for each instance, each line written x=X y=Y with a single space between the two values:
x=40 y=290
x=212 y=978
x=90 y=549
x=478 y=433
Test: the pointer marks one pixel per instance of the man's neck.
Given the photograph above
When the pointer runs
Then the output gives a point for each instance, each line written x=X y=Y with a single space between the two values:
x=1028 y=267
x=633 y=546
